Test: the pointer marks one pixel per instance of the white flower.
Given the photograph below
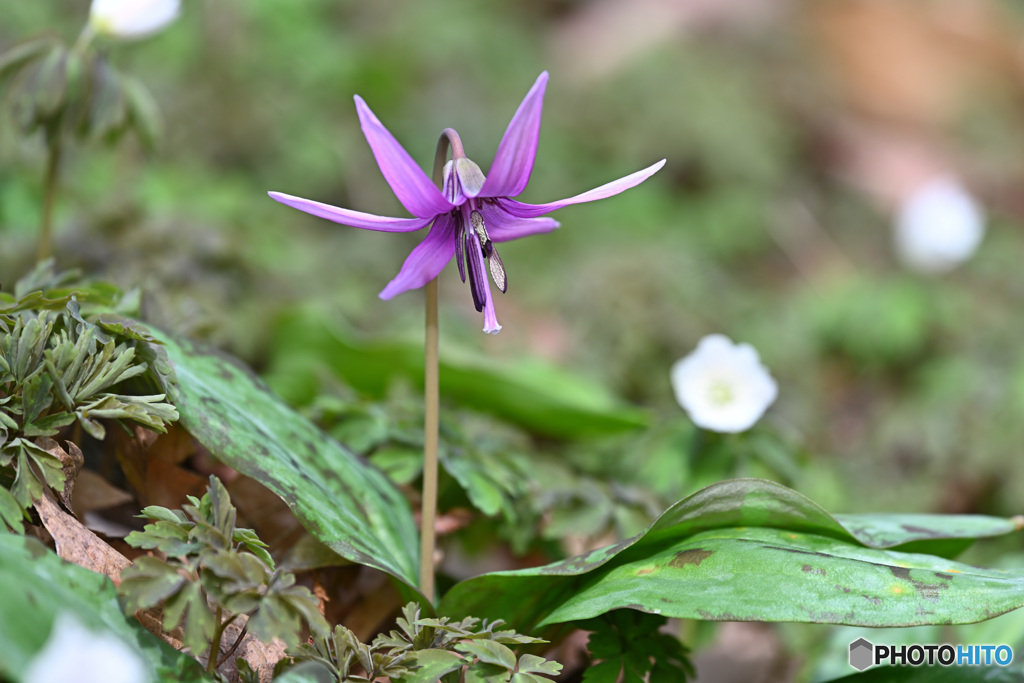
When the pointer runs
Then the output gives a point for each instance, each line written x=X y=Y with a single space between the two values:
x=131 y=19
x=74 y=654
x=723 y=386
x=938 y=226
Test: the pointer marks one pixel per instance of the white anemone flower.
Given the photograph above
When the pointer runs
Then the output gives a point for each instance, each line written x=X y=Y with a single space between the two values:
x=74 y=653
x=938 y=226
x=723 y=386
x=132 y=19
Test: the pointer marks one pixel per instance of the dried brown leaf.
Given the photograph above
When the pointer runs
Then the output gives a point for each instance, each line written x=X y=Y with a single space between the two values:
x=75 y=543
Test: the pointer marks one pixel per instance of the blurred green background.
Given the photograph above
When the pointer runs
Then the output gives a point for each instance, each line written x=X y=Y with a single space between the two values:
x=791 y=129
x=905 y=389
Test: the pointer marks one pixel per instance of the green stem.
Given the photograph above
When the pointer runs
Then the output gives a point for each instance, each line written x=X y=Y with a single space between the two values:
x=53 y=144
x=431 y=398
x=211 y=662
x=430 y=430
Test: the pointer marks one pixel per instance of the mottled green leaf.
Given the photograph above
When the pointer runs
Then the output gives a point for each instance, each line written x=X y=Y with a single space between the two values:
x=764 y=574
x=755 y=550
x=926 y=533
x=347 y=504
x=35 y=585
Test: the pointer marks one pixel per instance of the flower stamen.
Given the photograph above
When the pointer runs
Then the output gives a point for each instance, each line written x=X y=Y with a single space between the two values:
x=475 y=266
x=494 y=263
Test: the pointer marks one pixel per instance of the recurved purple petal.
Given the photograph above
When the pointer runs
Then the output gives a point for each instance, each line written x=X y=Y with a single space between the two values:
x=427 y=260
x=407 y=180
x=503 y=226
x=607 y=190
x=513 y=162
x=356 y=219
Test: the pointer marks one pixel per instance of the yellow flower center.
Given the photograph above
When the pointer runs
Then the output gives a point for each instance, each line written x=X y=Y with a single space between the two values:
x=721 y=393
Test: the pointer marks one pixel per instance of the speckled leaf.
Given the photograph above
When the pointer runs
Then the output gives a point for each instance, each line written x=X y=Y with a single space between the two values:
x=540 y=397
x=35 y=585
x=751 y=549
x=343 y=501
x=762 y=574
x=933 y=534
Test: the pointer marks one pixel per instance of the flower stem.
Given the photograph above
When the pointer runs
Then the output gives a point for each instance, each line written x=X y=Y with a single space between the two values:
x=430 y=438
x=431 y=400
x=49 y=195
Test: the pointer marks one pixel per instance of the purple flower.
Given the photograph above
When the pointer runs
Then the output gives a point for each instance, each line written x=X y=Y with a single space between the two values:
x=471 y=212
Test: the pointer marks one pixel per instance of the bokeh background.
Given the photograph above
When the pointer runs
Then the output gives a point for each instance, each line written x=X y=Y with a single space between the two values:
x=794 y=130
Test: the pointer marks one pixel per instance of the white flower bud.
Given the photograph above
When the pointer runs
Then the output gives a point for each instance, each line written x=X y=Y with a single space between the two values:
x=723 y=386
x=132 y=19
x=938 y=226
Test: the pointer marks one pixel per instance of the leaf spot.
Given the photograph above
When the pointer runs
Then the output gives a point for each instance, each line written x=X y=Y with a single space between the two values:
x=694 y=556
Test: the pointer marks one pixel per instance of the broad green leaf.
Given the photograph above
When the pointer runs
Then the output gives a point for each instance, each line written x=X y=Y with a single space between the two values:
x=344 y=502
x=35 y=585
x=926 y=533
x=751 y=549
x=764 y=574
x=540 y=397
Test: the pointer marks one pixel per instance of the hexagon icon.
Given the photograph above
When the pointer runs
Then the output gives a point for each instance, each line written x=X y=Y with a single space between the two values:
x=861 y=654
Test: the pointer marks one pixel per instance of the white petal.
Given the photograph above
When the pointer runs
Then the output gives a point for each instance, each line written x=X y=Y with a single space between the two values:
x=938 y=226
x=723 y=386
x=131 y=19
x=74 y=653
